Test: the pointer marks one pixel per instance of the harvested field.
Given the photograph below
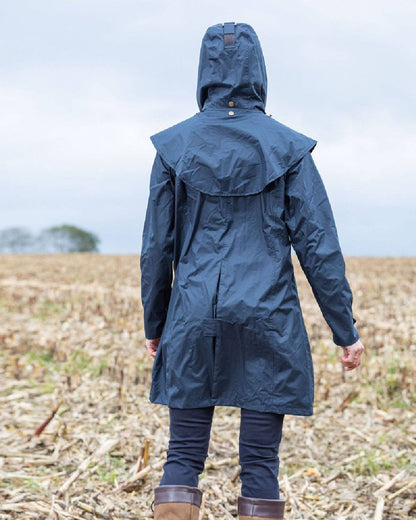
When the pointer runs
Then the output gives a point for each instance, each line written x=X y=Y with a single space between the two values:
x=72 y=351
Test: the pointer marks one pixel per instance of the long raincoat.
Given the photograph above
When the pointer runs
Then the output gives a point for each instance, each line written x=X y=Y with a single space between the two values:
x=231 y=191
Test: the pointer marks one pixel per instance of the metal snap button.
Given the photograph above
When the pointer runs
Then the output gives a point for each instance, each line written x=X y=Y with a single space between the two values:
x=230 y=113
x=231 y=103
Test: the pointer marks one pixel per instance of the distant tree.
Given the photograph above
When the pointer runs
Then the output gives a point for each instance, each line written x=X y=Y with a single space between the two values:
x=15 y=240
x=69 y=239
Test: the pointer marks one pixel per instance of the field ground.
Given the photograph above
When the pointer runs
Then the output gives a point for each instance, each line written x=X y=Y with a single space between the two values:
x=72 y=342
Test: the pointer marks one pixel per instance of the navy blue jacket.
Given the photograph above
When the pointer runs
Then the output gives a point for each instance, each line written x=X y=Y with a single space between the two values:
x=231 y=191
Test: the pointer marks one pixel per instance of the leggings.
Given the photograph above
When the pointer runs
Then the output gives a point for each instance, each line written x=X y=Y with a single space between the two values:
x=260 y=436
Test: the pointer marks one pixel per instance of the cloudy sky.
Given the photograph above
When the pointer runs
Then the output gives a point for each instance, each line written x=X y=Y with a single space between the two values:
x=84 y=83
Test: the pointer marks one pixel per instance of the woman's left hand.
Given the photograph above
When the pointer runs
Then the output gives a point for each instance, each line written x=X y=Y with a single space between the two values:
x=351 y=358
x=151 y=345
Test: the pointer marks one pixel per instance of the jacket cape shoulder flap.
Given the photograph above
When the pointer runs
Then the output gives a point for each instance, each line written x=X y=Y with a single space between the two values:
x=225 y=156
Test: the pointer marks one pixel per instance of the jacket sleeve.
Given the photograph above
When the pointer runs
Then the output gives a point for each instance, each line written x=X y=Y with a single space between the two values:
x=157 y=249
x=312 y=231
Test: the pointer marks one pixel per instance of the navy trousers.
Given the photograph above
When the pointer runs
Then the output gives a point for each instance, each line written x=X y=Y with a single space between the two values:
x=259 y=440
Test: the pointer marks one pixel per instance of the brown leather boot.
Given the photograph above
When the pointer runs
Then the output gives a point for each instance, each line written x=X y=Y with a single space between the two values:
x=258 y=508
x=177 y=503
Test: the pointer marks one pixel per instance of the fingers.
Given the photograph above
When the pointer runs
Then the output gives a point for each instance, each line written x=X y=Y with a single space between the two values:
x=351 y=358
x=152 y=345
x=349 y=367
x=152 y=351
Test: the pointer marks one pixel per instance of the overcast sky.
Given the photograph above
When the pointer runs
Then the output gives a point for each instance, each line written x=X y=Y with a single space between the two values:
x=85 y=83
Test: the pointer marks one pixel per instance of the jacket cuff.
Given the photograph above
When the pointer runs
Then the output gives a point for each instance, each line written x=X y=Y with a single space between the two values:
x=345 y=340
x=153 y=330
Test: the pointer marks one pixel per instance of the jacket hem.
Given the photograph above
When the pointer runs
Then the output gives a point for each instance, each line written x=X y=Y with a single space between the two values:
x=284 y=410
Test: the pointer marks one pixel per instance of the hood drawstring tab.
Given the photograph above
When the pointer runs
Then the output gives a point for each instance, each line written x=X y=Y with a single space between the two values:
x=229 y=33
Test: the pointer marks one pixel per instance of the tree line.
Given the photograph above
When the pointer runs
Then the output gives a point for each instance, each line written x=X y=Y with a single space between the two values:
x=56 y=239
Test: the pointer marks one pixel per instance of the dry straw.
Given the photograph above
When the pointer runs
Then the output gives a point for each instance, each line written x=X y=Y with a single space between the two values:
x=80 y=440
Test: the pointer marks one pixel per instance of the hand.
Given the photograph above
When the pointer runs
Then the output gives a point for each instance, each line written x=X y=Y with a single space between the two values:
x=352 y=356
x=151 y=345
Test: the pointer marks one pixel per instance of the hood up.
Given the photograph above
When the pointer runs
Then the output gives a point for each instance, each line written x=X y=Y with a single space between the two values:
x=231 y=69
x=236 y=152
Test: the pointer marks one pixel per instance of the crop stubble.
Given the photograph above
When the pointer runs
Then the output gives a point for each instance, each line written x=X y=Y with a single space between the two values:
x=80 y=439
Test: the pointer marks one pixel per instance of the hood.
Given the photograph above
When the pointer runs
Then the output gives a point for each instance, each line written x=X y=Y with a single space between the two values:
x=231 y=71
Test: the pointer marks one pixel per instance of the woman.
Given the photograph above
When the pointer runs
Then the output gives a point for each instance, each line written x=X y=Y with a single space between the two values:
x=231 y=191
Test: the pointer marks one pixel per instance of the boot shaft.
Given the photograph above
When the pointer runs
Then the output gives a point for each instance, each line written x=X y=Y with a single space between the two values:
x=177 y=503
x=260 y=509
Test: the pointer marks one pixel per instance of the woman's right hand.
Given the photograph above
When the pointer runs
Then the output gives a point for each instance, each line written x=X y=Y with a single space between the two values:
x=152 y=345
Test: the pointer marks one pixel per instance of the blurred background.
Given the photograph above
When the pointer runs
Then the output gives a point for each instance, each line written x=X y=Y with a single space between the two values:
x=85 y=83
